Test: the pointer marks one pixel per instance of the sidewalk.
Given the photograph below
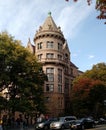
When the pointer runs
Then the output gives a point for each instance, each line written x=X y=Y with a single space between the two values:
x=20 y=129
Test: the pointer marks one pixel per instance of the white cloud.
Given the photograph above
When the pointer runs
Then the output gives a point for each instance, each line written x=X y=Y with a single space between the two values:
x=21 y=18
x=74 y=55
x=73 y=16
x=91 y=56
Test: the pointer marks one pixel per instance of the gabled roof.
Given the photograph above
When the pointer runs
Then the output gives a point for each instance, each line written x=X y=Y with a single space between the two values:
x=73 y=65
x=65 y=46
x=30 y=46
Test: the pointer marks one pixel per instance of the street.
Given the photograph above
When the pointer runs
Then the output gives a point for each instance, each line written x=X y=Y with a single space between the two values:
x=99 y=127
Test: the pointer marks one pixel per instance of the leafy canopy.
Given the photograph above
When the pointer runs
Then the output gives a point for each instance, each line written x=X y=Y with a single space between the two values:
x=21 y=74
x=89 y=92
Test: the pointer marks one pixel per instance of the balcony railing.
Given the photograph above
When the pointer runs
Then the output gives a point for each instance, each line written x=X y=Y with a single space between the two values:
x=53 y=60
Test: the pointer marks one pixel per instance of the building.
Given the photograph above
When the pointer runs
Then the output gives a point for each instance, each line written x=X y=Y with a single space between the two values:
x=52 y=50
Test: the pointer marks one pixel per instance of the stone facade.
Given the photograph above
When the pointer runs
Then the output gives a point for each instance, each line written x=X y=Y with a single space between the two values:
x=52 y=50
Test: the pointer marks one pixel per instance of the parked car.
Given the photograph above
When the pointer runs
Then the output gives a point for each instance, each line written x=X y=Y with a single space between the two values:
x=62 y=123
x=102 y=121
x=44 y=124
x=77 y=125
x=88 y=122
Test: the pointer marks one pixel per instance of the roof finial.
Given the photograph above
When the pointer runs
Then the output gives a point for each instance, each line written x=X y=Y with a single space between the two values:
x=49 y=13
x=29 y=40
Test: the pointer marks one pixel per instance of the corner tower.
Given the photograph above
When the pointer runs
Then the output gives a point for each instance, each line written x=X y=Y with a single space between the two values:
x=52 y=50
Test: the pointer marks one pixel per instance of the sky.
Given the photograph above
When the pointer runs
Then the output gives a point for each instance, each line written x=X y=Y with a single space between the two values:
x=85 y=34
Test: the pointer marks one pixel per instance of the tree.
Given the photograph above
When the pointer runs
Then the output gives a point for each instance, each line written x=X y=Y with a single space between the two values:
x=98 y=71
x=3 y=103
x=88 y=97
x=91 y=88
x=22 y=75
x=79 y=96
x=100 y=6
x=97 y=97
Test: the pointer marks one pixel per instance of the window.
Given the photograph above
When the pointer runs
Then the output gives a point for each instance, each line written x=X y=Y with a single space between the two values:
x=47 y=99
x=60 y=100
x=49 y=70
x=49 y=44
x=40 y=56
x=50 y=77
x=59 y=88
x=60 y=80
x=59 y=46
x=49 y=55
x=66 y=85
x=71 y=71
x=59 y=57
x=49 y=87
x=59 y=75
x=66 y=82
x=39 y=45
x=50 y=74
x=66 y=57
x=66 y=70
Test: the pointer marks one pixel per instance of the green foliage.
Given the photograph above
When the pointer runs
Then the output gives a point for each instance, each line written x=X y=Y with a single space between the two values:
x=98 y=71
x=97 y=96
x=21 y=74
x=3 y=103
x=89 y=92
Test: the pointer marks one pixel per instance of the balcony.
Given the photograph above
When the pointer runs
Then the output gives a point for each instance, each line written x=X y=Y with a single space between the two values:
x=53 y=61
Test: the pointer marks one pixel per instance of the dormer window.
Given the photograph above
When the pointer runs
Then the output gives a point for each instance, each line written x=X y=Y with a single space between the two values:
x=66 y=56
